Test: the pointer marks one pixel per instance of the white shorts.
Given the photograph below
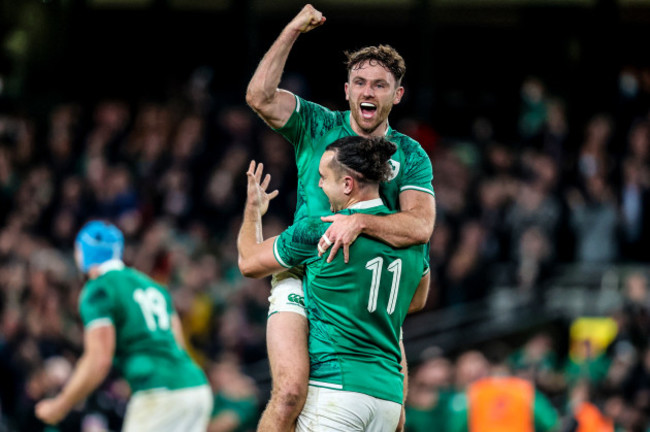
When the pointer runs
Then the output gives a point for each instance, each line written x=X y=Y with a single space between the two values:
x=162 y=410
x=328 y=410
x=287 y=295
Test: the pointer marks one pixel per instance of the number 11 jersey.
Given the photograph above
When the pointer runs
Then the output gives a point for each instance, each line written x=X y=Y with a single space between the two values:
x=355 y=310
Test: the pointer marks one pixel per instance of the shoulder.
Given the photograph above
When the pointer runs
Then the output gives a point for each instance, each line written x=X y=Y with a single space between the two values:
x=94 y=291
x=319 y=114
x=403 y=141
x=407 y=145
x=307 y=230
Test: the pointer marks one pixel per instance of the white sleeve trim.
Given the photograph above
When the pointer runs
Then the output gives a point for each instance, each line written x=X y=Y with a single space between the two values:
x=277 y=254
x=99 y=322
x=426 y=271
x=417 y=188
x=297 y=103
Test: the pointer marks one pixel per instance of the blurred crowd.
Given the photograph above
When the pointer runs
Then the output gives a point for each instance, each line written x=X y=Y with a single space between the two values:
x=170 y=174
x=596 y=377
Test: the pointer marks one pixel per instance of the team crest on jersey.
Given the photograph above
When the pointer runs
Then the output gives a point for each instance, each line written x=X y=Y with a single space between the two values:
x=395 y=167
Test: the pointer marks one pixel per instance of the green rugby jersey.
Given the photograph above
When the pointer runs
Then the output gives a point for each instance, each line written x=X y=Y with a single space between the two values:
x=355 y=310
x=312 y=127
x=146 y=352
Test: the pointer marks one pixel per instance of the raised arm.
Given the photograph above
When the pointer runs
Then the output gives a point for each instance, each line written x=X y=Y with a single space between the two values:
x=89 y=373
x=255 y=255
x=412 y=225
x=272 y=104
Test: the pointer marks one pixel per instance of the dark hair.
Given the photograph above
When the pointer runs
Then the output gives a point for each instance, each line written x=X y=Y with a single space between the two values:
x=385 y=55
x=364 y=158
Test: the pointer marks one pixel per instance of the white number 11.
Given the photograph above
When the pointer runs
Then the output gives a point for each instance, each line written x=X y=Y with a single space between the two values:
x=376 y=265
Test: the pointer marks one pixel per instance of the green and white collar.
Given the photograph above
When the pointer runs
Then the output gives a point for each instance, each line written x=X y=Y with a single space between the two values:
x=367 y=204
x=110 y=265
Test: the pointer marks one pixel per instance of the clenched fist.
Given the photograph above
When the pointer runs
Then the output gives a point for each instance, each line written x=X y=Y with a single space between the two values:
x=307 y=19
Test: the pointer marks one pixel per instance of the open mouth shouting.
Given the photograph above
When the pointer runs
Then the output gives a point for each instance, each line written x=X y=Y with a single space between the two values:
x=368 y=110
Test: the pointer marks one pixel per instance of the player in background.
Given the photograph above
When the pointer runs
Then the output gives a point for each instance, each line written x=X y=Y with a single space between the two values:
x=129 y=320
x=372 y=88
x=355 y=308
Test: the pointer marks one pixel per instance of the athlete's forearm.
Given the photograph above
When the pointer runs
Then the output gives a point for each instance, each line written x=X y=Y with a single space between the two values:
x=402 y=229
x=263 y=86
x=88 y=375
x=250 y=235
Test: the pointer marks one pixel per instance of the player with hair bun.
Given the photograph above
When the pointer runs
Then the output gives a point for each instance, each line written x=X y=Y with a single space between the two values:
x=372 y=88
x=355 y=309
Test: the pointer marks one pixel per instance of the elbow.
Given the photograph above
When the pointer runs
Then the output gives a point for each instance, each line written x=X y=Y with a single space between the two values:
x=244 y=267
x=256 y=99
x=251 y=99
x=247 y=268
x=423 y=234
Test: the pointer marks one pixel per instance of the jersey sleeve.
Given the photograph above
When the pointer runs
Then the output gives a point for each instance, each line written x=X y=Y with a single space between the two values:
x=95 y=306
x=308 y=122
x=418 y=173
x=298 y=243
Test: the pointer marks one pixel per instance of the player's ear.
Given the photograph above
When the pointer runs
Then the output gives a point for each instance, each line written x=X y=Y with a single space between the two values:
x=398 y=95
x=348 y=184
x=345 y=88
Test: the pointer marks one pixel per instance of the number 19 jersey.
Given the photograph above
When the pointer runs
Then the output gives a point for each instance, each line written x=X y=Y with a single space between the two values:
x=146 y=352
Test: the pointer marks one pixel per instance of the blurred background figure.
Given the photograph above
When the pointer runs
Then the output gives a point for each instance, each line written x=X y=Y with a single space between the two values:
x=501 y=402
x=235 y=397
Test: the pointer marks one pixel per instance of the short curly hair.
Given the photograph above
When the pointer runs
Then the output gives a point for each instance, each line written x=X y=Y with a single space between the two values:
x=366 y=159
x=385 y=55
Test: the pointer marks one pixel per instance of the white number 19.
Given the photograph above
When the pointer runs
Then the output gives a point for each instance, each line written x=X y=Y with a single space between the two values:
x=154 y=308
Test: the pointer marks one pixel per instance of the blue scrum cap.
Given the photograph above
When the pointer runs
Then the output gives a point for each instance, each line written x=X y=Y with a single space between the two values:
x=98 y=242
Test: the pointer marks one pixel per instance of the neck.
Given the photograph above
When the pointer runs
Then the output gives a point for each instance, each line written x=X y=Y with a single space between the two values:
x=380 y=130
x=98 y=270
x=361 y=196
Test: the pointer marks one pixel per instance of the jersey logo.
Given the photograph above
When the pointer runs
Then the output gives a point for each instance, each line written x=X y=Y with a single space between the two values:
x=395 y=168
x=297 y=299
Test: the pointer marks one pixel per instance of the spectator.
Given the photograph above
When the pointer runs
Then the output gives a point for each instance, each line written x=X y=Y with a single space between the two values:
x=594 y=219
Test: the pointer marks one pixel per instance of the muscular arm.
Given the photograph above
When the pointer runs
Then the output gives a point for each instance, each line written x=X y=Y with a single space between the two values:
x=413 y=224
x=90 y=371
x=274 y=105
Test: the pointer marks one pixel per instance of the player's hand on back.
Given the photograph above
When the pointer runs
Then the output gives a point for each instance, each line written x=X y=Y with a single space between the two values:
x=307 y=19
x=257 y=197
x=343 y=232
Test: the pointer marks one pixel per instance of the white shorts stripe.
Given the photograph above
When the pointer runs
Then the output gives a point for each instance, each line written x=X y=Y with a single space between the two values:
x=325 y=384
